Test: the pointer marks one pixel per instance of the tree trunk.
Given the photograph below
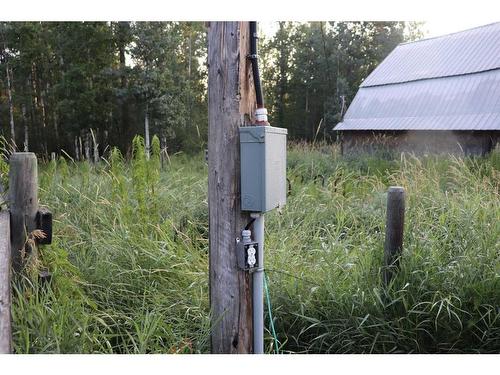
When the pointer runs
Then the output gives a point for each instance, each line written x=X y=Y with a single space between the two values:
x=282 y=80
x=163 y=153
x=55 y=119
x=42 y=105
x=86 y=145
x=80 y=148
x=95 y=147
x=56 y=129
x=231 y=104
x=306 y=113
x=124 y=108
x=11 y=109
x=190 y=94
x=146 y=132
x=77 y=150
x=35 y=129
x=26 y=133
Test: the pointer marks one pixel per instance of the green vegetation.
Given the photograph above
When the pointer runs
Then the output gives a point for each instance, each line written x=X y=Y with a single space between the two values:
x=130 y=257
x=71 y=82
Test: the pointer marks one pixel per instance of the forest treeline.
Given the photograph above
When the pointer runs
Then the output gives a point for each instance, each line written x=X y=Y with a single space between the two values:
x=67 y=85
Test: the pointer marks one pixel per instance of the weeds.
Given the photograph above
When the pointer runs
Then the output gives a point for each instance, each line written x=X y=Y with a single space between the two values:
x=130 y=257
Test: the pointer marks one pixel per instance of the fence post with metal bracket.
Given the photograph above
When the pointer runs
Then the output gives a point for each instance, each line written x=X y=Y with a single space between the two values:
x=30 y=225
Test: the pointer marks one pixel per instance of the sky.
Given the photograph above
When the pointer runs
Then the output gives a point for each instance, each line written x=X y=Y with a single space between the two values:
x=431 y=28
x=438 y=27
x=441 y=16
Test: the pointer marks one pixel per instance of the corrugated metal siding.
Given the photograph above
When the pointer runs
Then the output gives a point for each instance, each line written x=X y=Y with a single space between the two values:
x=487 y=121
x=469 y=51
x=467 y=102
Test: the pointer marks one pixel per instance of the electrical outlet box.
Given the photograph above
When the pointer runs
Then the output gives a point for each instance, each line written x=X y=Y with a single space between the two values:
x=248 y=255
x=263 y=168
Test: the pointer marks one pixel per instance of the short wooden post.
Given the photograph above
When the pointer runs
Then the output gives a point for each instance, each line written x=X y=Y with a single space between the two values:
x=393 y=231
x=5 y=293
x=231 y=100
x=23 y=203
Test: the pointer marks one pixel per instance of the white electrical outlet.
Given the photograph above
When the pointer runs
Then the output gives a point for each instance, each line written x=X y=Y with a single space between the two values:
x=251 y=260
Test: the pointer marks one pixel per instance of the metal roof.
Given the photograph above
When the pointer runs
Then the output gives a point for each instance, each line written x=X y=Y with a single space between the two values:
x=469 y=51
x=445 y=83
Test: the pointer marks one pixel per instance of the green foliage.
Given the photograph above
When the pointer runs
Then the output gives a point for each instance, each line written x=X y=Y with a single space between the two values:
x=146 y=175
x=63 y=169
x=4 y=167
x=154 y=166
x=116 y=162
x=312 y=70
x=85 y=171
x=138 y=283
x=57 y=86
x=118 y=171
x=53 y=318
x=139 y=173
x=326 y=280
x=4 y=173
x=171 y=84
x=155 y=152
x=51 y=176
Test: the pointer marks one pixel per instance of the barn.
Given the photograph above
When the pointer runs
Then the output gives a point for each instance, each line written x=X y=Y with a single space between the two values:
x=436 y=95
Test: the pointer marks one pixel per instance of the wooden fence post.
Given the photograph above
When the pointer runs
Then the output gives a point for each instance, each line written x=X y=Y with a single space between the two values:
x=23 y=203
x=231 y=99
x=5 y=293
x=393 y=231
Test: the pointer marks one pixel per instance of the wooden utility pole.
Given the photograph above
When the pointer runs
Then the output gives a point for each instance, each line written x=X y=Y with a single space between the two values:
x=231 y=99
x=5 y=294
x=23 y=203
x=394 y=231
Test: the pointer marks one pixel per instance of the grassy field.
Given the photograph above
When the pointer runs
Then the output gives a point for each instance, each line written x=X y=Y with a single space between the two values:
x=130 y=258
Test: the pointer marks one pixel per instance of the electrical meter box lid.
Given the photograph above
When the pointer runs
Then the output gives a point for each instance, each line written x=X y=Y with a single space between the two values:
x=263 y=168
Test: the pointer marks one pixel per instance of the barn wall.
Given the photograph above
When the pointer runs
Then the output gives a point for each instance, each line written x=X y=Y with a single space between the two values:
x=419 y=142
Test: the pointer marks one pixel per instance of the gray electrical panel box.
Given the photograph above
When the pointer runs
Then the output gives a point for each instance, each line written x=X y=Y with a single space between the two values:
x=263 y=168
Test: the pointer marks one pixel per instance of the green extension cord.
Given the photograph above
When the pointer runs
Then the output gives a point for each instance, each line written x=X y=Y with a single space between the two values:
x=269 y=308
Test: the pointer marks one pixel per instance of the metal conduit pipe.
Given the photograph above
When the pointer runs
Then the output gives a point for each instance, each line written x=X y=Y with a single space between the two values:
x=258 y=286
x=258 y=223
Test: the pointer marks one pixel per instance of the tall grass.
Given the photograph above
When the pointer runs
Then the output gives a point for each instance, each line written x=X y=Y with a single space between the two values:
x=130 y=257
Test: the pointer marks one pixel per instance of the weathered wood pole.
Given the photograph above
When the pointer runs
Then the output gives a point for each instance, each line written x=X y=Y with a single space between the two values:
x=23 y=203
x=5 y=296
x=394 y=231
x=231 y=100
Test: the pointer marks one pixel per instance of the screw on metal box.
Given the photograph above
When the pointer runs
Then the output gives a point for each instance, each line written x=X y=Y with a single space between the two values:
x=263 y=168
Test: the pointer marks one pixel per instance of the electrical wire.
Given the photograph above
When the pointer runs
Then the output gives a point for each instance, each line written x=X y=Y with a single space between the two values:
x=269 y=308
x=255 y=64
x=247 y=227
